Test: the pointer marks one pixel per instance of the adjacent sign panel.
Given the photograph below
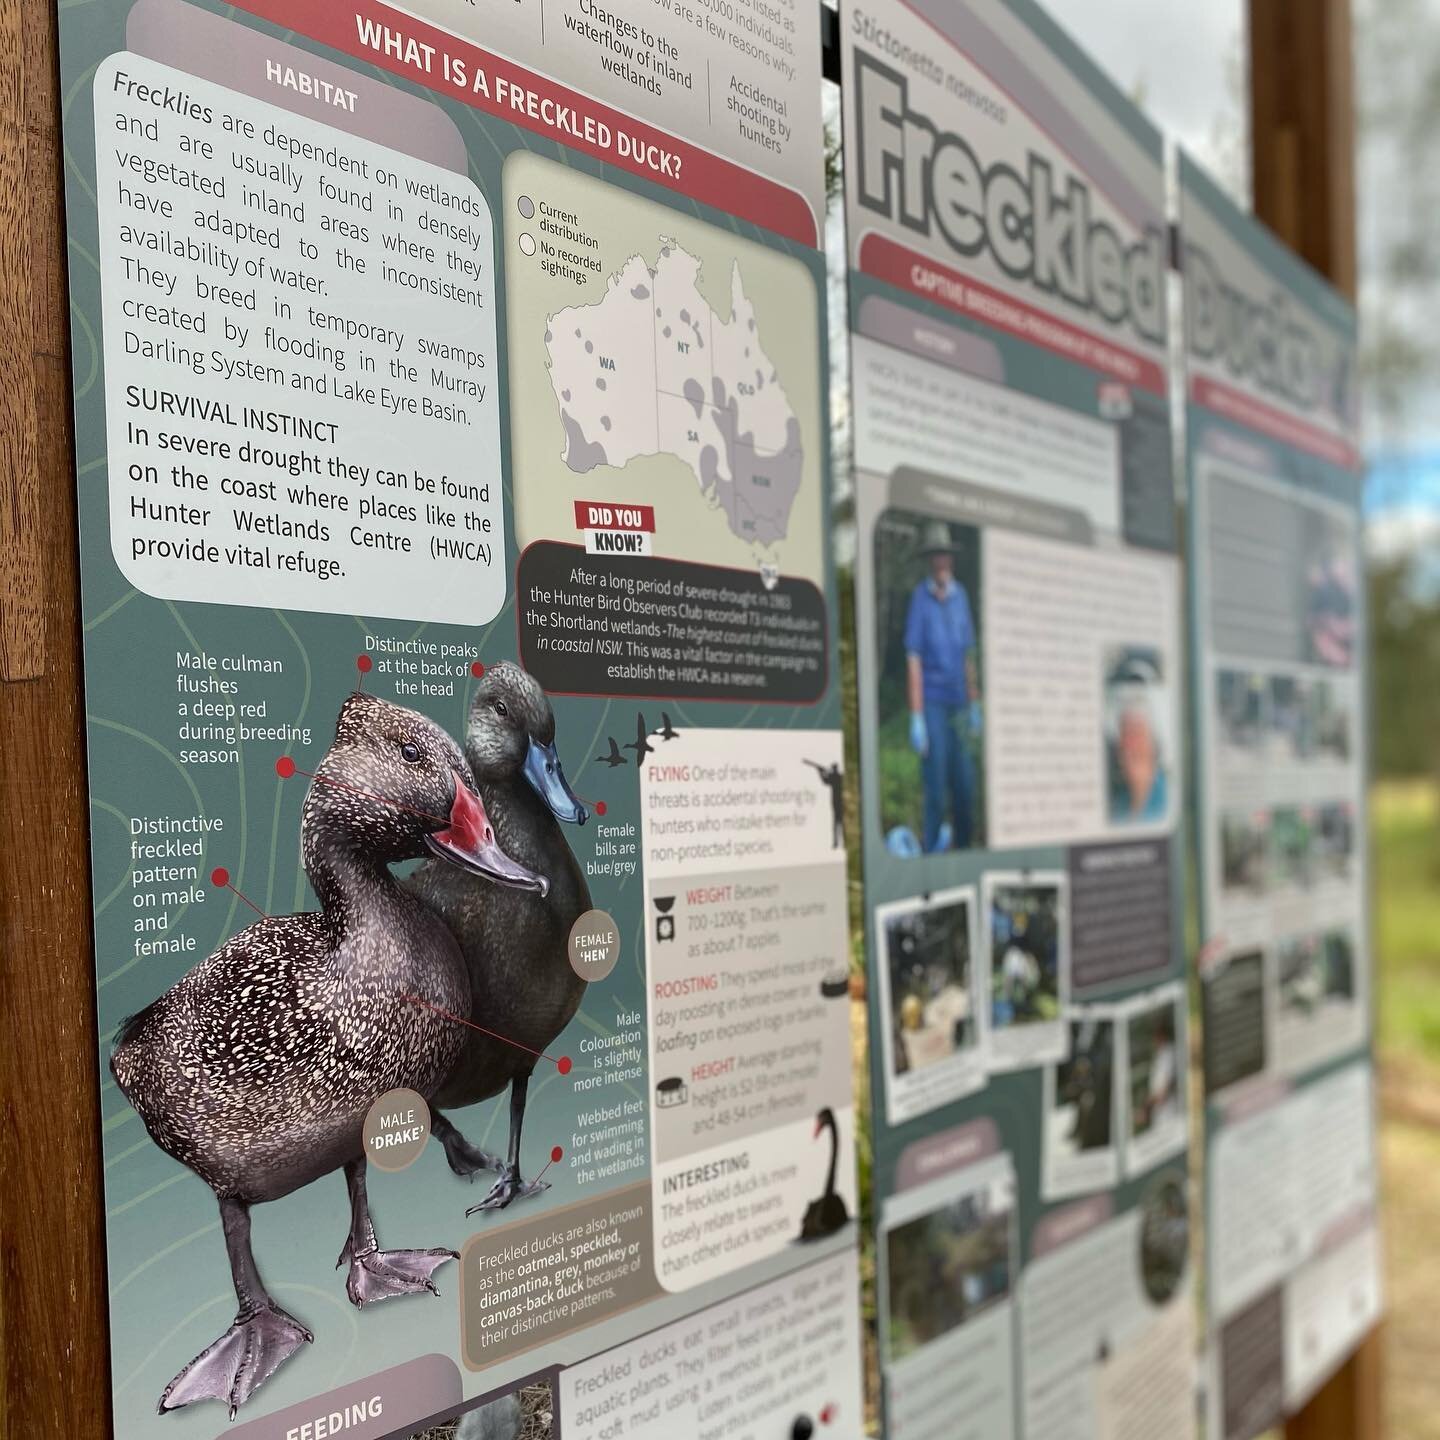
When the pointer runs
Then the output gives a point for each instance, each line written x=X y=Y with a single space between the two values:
x=1280 y=720
x=463 y=726
x=1018 y=642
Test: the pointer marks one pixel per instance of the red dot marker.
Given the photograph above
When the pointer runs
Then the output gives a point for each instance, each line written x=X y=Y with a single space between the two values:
x=284 y=767
x=827 y=1415
x=477 y=669
x=599 y=807
x=219 y=877
x=564 y=1065
x=364 y=664
x=556 y=1155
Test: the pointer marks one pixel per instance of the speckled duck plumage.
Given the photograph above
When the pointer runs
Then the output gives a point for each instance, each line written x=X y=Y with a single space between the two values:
x=256 y=1069
x=515 y=942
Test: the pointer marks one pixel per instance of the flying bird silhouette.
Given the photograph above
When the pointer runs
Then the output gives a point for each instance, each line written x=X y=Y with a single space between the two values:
x=641 y=743
x=614 y=757
x=666 y=731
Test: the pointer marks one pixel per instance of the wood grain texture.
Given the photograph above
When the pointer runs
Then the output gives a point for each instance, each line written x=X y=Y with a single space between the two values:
x=22 y=611
x=1302 y=99
x=1302 y=131
x=1350 y=1406
x=54 y=1353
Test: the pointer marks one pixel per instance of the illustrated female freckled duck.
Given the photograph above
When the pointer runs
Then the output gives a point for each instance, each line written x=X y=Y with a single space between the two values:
x=516 y=943
x=257 y=1068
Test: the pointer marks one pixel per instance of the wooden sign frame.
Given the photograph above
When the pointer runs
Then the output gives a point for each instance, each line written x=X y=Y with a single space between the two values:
x=1302 y=141
x=54 y=1362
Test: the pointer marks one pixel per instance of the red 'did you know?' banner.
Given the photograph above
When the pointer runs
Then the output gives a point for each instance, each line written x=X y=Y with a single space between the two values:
x=607 y=515
x=452 y=66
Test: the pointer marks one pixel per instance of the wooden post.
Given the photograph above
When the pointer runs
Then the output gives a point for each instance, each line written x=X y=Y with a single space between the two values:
x=1302 y=135
x=54 y=1363
x=1302 y=99
x=54 y=1359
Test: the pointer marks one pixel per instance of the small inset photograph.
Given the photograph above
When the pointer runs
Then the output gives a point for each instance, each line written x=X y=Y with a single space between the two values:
x=1339 y=962
x=1232 y=1000
x=1331 y=722
x=1027 y=945
x=1334 y=841
x=1244 y=853
x=1241 y=712
x=525 y=1413
x=1318 y=1012
x=1164 y=1240
x=928 y=987
x=1155 y=1085
x=947 y=1267
x=1292 y=719
x=1316 y=971
x=1292 y=846
x=1330 y=591
x=1080 y=1151
x=1139 y=748
x=930 y=737
x=1301 y=968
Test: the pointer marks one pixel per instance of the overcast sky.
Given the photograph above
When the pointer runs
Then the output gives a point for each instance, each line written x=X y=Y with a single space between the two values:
x=1185 y=59
x=1178 y=55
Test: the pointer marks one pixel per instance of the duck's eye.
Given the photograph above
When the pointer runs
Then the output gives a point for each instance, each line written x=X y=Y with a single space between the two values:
x=500 y=708
x=410 y=751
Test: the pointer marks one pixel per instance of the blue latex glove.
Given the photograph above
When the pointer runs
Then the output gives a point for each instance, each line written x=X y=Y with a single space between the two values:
x=977 y=716
x=919 y=734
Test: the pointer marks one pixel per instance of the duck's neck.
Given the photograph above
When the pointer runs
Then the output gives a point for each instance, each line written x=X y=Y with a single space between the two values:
x=834 y=1130
x=519 y=815
x=355 y=887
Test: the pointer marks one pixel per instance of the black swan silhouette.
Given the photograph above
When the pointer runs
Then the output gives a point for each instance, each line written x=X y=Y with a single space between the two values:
x=826 y=1215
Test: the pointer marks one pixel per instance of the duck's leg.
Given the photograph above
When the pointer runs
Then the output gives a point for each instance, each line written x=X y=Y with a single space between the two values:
x=510 y=1186
x=260 y=1341
x=377 y=1274
x=463 y=1158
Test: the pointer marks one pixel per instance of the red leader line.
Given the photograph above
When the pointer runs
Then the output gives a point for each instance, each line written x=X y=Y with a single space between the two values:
x=220 y=877
x=562 y=1064
x=263 y=913
x=556 y=1155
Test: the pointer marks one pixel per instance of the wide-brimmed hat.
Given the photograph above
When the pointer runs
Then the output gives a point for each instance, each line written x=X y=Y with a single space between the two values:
x=935 y=539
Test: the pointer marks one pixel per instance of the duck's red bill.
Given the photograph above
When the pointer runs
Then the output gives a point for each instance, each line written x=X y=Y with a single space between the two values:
x=469 y=842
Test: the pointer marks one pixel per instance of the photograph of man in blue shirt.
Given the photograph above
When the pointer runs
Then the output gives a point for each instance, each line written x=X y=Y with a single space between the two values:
x=943 y=690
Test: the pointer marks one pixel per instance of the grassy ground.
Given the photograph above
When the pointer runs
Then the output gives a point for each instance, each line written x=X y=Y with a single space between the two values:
x=1406 y=865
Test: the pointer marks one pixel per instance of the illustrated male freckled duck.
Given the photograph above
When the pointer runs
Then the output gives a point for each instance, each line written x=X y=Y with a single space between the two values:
x=257 y=1068
x=516 y=944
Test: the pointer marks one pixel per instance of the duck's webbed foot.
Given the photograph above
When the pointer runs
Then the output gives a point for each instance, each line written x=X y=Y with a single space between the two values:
x=377 y=1274
x=465 y=1159
x=509 y=1187
x=239 y=1362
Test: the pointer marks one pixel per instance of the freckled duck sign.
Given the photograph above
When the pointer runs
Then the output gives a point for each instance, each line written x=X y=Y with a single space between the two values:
x=465 y=766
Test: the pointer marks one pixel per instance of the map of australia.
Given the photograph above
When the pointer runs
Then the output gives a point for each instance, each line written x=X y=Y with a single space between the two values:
x=651 y=369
